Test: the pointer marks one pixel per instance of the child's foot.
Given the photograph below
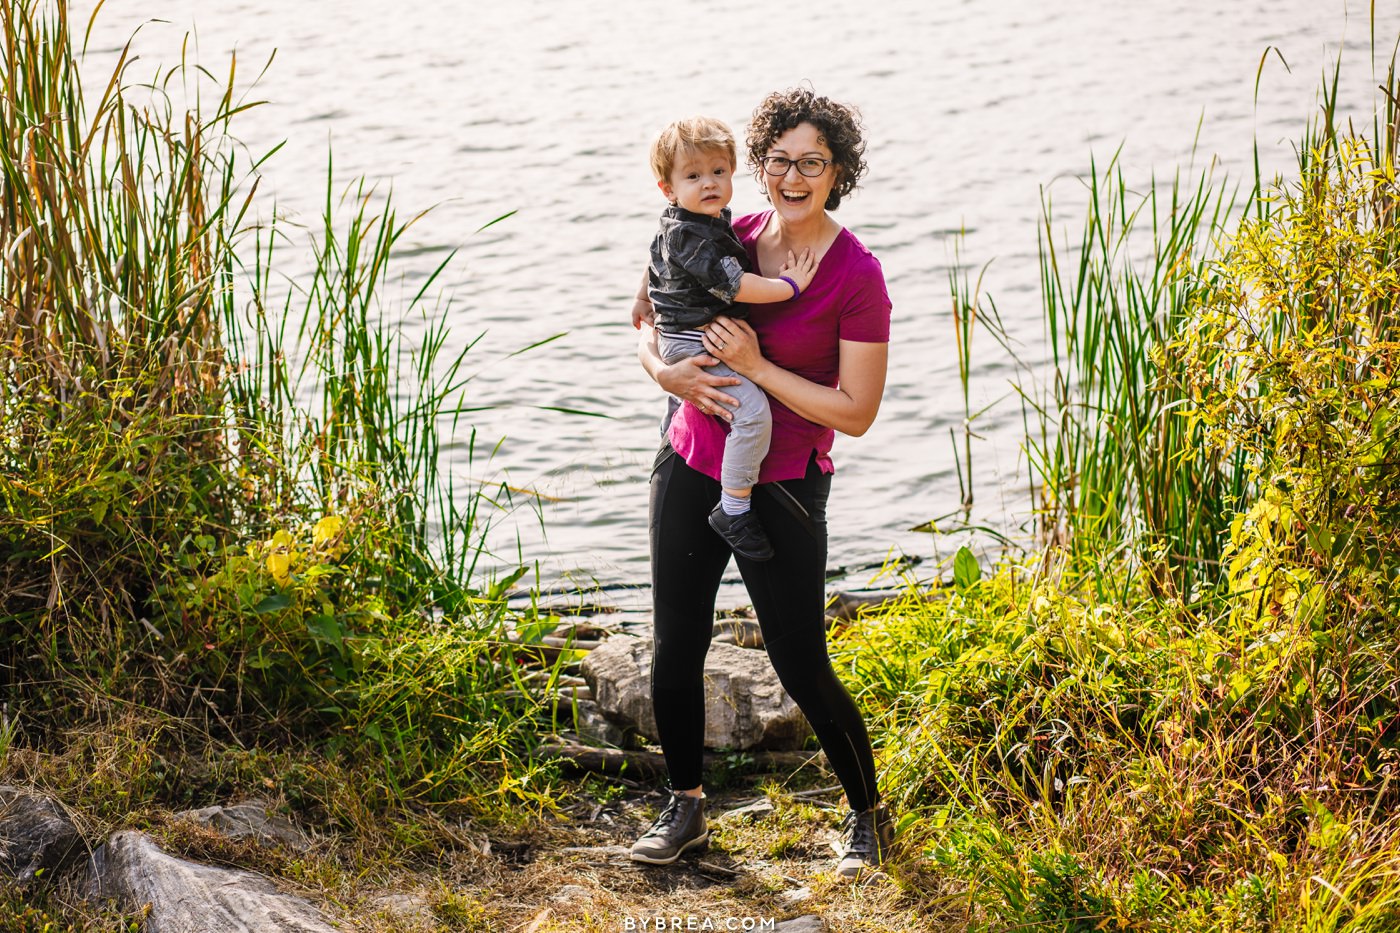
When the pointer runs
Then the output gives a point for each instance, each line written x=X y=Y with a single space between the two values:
x=744 y=533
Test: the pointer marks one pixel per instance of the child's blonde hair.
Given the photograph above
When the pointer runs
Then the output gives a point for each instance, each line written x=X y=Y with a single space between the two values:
x=696 y=134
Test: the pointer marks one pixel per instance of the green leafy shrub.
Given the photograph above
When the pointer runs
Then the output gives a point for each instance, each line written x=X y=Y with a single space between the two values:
x=1292 y=361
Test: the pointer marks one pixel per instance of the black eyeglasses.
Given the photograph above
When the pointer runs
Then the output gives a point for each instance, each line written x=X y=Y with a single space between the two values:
x=810 y=167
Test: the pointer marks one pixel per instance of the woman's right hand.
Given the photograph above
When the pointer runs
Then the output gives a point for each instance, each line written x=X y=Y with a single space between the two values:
x=689 y=379
x=801 y=269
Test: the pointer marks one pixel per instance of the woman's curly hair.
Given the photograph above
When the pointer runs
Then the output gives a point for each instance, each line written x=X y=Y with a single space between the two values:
x=838 y=124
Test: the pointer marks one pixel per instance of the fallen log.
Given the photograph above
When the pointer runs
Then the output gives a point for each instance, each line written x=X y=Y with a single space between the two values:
x=642 y=764
x=548 y=649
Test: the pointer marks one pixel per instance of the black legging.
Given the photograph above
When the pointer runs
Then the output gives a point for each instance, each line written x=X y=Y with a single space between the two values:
x=789 y=594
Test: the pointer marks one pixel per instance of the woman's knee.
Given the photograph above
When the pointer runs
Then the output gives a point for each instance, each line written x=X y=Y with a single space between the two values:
x=678 y=658
x=800 y=660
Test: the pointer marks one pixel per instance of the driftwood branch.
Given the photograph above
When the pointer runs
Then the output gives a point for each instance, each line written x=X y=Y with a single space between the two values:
x=626 y=763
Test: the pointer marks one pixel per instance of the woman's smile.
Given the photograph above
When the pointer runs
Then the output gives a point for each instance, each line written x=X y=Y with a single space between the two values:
x=800 y=198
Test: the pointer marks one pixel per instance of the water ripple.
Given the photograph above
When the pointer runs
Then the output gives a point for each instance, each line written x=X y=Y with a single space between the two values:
x=972 y=112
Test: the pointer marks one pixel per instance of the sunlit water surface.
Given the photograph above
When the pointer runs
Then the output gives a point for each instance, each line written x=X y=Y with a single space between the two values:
x=546 y=109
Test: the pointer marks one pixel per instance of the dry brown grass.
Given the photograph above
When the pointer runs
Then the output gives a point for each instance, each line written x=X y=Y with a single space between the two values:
x=745 y=874
x=514 y=874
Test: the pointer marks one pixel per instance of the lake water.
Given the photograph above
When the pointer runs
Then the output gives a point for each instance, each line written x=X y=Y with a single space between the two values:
x=546 y=108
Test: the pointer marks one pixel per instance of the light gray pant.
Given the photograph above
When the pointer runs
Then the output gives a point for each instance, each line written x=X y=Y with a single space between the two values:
x=752 y=427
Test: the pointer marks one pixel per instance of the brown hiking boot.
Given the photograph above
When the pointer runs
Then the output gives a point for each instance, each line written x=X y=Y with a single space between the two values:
x=680 y=828
x=866 y=840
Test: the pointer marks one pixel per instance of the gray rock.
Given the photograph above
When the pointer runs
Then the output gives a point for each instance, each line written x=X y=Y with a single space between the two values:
x=36 y=836
x=745 y=706
x=758 y=810
x=592 y=726
x=408 y=909
x=795 y=896
x=808 y=924
x=745 y=633
x=186 y=897
x=249 y=819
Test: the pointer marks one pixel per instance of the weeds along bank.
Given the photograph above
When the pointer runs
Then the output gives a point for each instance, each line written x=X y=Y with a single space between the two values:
x=221 y=519
x=1185 y=713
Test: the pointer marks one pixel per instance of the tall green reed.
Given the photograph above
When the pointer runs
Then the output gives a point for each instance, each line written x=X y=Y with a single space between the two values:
x=1119 y=468
x=358 y=404
x=967 y=300
x=114 y=231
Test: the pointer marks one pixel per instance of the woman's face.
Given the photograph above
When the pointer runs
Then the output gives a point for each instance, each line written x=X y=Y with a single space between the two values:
x=796 y=197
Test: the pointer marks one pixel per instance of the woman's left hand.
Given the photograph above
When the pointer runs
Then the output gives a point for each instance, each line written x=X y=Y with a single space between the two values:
x=734 y=343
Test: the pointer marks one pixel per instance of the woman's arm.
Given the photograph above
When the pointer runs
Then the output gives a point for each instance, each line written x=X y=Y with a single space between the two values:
x=687 y=379
x=849 y=408
x=642 y=311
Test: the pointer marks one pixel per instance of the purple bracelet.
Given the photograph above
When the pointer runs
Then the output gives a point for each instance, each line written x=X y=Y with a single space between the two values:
x=795 y=290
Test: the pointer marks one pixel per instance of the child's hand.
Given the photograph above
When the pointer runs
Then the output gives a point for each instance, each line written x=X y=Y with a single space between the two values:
x=800 y=269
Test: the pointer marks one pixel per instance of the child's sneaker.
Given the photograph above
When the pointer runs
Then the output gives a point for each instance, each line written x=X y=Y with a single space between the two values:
x=744 y=533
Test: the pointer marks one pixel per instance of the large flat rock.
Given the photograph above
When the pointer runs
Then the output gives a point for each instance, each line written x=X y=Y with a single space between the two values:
x=187 y=897
x=745 y=705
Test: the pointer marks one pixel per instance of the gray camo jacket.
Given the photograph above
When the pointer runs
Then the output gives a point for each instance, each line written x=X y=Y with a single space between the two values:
x=696 y=264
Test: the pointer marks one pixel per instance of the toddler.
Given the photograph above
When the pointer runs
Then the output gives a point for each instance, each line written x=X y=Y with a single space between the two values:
x=699 y=270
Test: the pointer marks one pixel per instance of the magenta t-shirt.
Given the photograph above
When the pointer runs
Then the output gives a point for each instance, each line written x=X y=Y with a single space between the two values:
x=847 y=300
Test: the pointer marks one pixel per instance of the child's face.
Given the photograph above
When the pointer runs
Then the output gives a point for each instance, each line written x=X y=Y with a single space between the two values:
x=702 y=182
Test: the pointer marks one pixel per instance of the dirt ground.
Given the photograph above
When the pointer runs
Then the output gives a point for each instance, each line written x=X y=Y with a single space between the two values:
x=573 y=873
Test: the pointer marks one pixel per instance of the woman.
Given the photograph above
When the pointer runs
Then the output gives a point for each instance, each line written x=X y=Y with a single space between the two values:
x=821 y=359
